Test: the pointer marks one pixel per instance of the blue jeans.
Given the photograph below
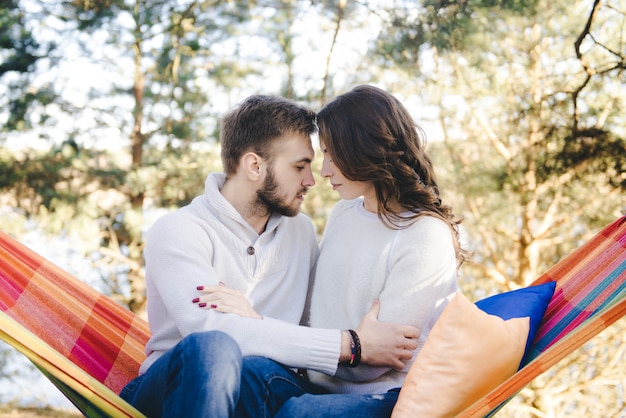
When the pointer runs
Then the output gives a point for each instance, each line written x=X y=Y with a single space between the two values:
x=340 y=405
x=269 y=389
x=199 y=377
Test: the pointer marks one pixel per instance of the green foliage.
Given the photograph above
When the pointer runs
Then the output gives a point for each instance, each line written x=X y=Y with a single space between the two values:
x=19 y=53
x=55 y=184
x=19 y=48
x=175 y=179
x=594 y=150
x=443 y=25
x=527 y=127
x=95 y=14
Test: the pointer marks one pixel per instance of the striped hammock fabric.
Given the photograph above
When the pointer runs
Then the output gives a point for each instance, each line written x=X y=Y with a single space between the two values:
x=590 y=295
x=84 y=342
x=90 y=347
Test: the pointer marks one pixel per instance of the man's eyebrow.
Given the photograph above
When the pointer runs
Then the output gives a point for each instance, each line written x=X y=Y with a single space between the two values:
x=304 y=160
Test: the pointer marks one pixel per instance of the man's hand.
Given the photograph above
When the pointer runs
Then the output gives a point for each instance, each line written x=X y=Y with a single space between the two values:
x=383 y=343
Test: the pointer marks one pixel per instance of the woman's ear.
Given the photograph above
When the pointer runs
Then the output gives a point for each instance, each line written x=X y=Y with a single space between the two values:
x=252 y=165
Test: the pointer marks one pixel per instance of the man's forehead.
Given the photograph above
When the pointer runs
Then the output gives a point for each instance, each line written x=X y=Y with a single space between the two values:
x=295 y=147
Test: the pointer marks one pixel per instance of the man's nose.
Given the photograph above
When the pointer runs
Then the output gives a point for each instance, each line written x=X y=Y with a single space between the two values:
x=308 y=180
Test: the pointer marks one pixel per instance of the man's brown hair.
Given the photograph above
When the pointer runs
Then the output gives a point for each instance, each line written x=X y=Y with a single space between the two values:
x=256 y=123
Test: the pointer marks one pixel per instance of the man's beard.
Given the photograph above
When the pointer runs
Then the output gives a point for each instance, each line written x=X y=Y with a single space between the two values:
x=269 y=196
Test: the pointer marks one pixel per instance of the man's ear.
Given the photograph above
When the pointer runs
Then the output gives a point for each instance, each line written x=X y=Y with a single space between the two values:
x=252 y=165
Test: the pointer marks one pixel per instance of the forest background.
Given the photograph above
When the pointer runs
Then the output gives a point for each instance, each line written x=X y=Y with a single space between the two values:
x=109 y=114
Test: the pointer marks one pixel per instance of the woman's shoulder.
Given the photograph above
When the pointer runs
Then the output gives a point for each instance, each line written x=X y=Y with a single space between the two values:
x=428 y=221
x=429 y=227
x=428 y=236
x=344 y=204
x=346 y=207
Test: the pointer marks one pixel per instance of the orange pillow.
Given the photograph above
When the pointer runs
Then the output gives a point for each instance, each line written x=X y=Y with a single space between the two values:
x=467 y=354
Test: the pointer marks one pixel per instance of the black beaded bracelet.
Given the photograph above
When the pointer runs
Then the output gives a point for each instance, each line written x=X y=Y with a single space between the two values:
x=355 y=358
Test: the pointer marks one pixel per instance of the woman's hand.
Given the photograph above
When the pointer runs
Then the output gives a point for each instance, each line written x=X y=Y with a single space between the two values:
x=224 y=299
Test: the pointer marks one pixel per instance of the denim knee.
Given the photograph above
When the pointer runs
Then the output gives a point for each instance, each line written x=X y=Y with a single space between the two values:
x=219 y=344
x=265 y=386
x=299 y=407
x=200 y=376
x=339 y=405
x=255 y=364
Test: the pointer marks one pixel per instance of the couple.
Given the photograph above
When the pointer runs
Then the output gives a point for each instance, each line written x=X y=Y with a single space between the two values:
x=231 y=276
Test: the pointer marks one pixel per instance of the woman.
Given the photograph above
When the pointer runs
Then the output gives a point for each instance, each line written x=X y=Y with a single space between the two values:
x=390 y=239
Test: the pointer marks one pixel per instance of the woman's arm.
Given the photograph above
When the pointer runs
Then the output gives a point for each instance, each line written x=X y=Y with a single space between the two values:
x=421 y=281
x=382 y=344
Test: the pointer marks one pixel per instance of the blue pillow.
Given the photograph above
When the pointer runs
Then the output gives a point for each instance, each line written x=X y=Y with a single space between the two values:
x=529 y=301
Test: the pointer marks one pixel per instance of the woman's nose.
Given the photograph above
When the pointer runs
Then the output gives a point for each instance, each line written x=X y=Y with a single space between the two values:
x=326 y=169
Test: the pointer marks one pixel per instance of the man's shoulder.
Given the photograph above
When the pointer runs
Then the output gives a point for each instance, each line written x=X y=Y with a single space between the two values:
x=299 y=228
x=177 y=219
x=300 y=221
x=172 y=215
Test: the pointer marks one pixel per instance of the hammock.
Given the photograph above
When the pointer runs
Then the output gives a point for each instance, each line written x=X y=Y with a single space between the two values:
x=90 y=347
x=590 y=295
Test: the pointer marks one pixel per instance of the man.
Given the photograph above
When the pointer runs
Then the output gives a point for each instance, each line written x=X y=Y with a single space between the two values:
x=246 y=232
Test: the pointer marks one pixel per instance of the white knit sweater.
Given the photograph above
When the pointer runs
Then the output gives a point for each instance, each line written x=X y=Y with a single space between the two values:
x=411 y=271
x=208 y=241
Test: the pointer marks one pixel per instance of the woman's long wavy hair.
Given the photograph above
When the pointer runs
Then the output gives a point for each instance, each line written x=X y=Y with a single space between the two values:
x=371 y=137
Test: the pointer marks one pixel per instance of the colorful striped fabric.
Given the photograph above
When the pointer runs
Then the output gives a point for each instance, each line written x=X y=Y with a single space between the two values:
x=90 y=347
x=83 y=339
x=590 y=295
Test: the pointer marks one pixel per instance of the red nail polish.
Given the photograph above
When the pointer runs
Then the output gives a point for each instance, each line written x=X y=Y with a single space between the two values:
x=202 y=305
x=213 y=306
x=195 y=300
x=199 y=287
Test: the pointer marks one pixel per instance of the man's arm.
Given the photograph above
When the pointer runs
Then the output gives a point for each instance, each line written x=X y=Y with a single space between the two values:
x=382 y=344
x=180 y=255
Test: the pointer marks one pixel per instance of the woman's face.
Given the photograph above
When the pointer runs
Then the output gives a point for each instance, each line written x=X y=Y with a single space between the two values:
x=348 y=189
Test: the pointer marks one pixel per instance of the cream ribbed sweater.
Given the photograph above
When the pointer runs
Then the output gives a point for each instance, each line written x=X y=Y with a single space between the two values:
x=208 y=241
x=411 y=271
